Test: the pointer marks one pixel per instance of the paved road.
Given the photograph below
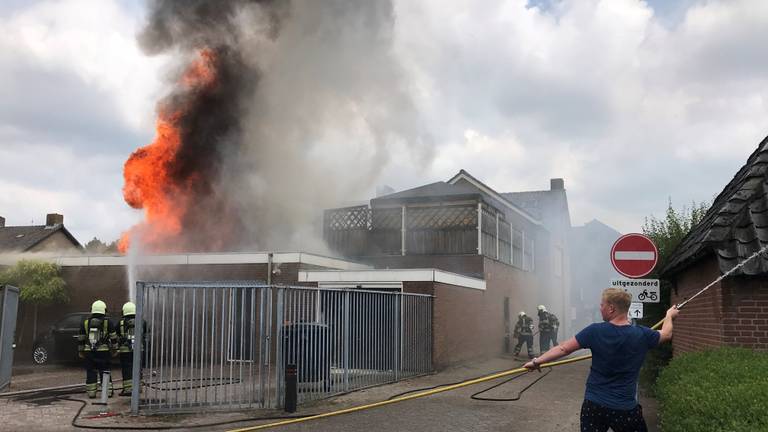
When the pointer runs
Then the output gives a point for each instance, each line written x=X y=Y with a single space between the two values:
x=551 y=405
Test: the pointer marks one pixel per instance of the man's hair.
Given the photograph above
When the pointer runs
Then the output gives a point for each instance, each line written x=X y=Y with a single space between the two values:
x=618 y=298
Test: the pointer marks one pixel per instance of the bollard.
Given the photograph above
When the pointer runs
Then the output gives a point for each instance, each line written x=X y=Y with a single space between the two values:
x=291 y=388
x=106 y=382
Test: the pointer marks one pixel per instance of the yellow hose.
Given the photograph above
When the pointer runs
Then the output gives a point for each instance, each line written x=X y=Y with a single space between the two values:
x=417 y=395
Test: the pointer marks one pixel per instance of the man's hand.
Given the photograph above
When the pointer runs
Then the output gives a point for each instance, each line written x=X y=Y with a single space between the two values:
x=533 y=365
x=672 y=312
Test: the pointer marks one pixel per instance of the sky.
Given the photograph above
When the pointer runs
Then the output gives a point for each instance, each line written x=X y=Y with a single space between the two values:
x=632 y=102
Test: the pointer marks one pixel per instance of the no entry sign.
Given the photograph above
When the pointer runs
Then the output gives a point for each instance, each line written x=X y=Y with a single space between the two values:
x=634 y=255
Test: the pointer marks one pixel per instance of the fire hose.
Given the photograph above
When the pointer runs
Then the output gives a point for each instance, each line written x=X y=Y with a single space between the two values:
x=481 y=379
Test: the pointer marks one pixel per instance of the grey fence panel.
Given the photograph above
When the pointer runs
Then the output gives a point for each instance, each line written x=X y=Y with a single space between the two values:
x=9 y=302
x=209 y=345
x=344 y=339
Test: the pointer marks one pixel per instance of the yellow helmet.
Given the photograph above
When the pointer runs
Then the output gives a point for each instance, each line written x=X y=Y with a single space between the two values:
x=521 y=314
x=129 y=309
x=541 y=308
x=99 y=307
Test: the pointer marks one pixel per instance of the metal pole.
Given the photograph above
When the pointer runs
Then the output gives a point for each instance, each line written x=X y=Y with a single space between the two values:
x=479 y=228
x=497 y=236
x=138 y=346
x=346 y=340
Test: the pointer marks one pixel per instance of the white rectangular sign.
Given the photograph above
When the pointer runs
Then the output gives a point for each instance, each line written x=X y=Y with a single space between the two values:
x=642 y=290
x=636 y=310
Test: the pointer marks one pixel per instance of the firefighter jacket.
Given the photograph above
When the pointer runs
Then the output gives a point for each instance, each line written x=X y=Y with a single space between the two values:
x=548 y=322
x=126 y=337
x=97 y=334
x=524 y=326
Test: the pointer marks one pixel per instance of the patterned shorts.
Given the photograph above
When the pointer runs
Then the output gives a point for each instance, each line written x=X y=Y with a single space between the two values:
x=597 y=418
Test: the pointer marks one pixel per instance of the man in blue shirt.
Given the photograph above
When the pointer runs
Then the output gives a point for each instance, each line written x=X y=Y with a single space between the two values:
x=618 y=350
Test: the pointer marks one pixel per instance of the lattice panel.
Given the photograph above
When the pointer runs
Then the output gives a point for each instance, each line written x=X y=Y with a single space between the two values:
x=348 y=218
x=387 y=218
x=441 y=217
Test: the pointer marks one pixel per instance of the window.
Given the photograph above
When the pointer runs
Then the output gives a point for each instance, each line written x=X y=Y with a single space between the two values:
x=517 y=248
x=557 y=263
x=529 y=261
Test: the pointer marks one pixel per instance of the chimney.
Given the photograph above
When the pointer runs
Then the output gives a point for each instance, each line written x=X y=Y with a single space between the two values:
x=52 y=219
x=556 y=184
x=2 y=222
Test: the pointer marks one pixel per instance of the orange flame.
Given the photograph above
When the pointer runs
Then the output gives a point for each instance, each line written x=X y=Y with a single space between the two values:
x=148 y=183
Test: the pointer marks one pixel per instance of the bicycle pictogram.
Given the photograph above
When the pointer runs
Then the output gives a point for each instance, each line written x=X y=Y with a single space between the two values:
x=645 y=294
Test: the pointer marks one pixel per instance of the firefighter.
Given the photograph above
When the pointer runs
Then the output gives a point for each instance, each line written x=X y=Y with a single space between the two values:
x=524 y=333
x=125 y=340
x=548 y=325
x=97 y=343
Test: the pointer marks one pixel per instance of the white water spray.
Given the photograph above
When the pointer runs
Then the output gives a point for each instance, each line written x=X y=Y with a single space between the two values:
x=130 y=268
x=724 y=275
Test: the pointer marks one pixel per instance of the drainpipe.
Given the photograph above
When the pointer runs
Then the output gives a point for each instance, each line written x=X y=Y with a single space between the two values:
x=269 y=268
x=402 y=232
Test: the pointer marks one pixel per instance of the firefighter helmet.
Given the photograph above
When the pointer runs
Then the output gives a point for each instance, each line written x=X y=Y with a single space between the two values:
x=541 y=308
x=521 y=314
x=129 y=309
x=99 y=307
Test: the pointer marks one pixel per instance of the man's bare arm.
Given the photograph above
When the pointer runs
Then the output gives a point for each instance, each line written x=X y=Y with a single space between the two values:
x=554 y=353
x=666 y=328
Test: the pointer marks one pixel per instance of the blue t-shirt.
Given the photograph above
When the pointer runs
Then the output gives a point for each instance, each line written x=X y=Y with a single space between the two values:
x=617 y=354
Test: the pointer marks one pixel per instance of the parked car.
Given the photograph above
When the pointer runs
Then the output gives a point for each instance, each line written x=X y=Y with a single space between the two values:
x=59 y=342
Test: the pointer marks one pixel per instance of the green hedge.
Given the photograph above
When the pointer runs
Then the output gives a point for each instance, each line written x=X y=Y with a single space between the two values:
x=721 y=390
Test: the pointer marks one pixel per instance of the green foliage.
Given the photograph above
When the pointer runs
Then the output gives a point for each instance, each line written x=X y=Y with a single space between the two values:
x=39 y=282
x=721 y=390
x=668 y=232
x=97 y=246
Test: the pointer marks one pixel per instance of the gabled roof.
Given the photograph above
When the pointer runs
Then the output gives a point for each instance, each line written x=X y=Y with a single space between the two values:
x=431 y=192
x=495 y=196
x=735 y=226
x=24 y=238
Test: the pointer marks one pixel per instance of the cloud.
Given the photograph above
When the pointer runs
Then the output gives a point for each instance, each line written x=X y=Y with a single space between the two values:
x=73 y=69
x=629 y=106
x=77 y=97
x=630 y=101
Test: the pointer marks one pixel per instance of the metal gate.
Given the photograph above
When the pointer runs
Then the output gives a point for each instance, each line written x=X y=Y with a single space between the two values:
x=9 y=302
x=211 y=345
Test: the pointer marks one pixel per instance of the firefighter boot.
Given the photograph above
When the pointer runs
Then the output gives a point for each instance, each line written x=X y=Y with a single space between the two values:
x=127 y=388
x=91 y=389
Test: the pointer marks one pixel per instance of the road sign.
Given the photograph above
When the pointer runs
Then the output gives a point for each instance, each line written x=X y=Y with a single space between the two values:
x=636 y=310
x=642 y=290
x=634 y=255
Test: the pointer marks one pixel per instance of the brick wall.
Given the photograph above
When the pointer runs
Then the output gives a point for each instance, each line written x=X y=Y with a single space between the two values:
x=699 y=324
x=734 y=312
x=745 y=317
x=468 y=323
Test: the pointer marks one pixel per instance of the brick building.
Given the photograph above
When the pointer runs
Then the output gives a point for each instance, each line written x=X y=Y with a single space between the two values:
x=483 y=255
x=734 y=312
x=515 y=243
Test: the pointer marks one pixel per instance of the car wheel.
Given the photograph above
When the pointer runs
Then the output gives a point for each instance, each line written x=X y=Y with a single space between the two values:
x=40 y=355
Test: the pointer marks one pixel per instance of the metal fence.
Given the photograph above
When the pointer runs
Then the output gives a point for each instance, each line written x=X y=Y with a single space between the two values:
x=9 y=302
x=211 y=345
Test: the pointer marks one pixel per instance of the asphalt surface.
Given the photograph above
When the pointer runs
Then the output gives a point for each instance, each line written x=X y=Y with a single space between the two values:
x=552 y=404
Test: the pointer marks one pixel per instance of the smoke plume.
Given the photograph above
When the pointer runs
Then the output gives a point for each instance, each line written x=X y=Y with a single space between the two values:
x=278 y=111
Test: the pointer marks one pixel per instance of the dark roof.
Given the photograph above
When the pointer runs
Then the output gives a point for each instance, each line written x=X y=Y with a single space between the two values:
x=735 y=226
x=531 y=201
x=24 y=238
x=467 y=179
x=432 y=192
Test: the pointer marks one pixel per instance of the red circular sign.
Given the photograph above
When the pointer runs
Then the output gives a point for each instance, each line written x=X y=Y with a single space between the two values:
x=634 y=255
